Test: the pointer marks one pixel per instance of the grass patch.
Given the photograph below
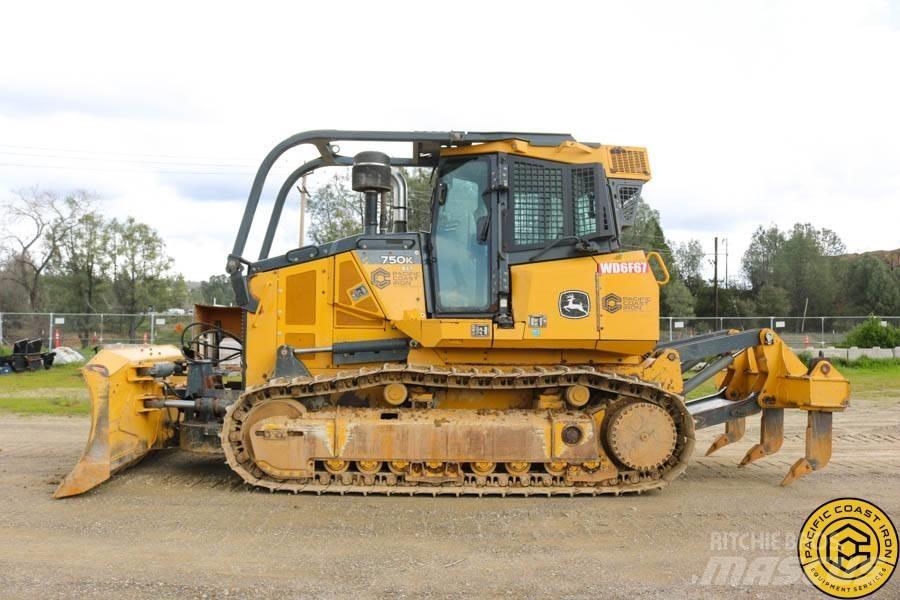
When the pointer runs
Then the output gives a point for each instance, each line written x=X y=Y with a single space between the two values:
x=62 y=376
x=57 y=391
x=51 y=404
x=870 y=378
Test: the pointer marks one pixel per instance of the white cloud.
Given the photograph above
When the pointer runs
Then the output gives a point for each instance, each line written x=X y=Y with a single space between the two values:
x=753 y=113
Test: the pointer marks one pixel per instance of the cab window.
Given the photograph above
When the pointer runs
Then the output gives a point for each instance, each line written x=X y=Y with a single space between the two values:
x=462 y=272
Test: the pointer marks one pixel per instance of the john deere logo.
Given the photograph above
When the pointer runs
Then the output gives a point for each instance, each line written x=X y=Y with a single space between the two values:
x=612 y=303
x=381 y=278
x=574 y=304
x=848 y=548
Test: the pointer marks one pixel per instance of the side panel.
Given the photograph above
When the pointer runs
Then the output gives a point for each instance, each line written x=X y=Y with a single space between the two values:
x=562 y=296
x=355 y=306
x=305 y=316
x=259 y=351
x=395 y=278
x=323 y=302
x=295 y=308
x=628 y=298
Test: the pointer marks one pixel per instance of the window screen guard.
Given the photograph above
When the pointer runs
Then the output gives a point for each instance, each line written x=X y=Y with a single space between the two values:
x=550 y=200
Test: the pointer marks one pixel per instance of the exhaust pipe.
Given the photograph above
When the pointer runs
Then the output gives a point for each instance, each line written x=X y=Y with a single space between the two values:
x=400 y=200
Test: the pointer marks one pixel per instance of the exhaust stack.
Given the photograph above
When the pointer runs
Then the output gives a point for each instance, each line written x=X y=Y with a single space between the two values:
x=399 y=198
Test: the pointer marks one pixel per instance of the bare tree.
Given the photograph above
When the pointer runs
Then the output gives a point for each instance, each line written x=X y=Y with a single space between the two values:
x=36 y=221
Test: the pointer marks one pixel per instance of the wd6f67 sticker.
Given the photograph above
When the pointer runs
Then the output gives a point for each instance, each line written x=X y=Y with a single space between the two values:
x=623 y=268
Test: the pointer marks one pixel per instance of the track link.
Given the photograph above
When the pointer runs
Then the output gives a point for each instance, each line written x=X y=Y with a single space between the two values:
x=312 y=391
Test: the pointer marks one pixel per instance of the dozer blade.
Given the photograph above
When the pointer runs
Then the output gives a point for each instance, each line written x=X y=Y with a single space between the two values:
x=123 y=430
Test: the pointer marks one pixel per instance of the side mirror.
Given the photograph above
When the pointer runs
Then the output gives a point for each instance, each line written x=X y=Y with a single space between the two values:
x=440 y=192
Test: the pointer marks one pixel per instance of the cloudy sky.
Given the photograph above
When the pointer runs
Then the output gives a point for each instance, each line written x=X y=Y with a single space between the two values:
x=758 y=112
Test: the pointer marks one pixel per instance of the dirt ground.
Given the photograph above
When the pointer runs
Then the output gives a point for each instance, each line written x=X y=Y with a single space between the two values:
x=178 y=525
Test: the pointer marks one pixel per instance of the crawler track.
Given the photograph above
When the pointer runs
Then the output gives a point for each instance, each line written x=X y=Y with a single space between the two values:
x=311 y=390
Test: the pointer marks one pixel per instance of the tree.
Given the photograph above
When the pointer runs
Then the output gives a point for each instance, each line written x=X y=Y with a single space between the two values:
x=646 y=233
x=772 y=300
x=79 y=277
x=420 y=186
x=13 y=298
x=803 y=267
x=741 y=305
x=689 y=261
x=36 y=221
x=758 y=261
x=335 y=211
x=141 y=270
x=677 y=300
x=217 y=290
x=872 y=288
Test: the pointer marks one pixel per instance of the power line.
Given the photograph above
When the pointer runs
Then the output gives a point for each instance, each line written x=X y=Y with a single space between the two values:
x=128 y=160
x=114 y=153
x=107 y=170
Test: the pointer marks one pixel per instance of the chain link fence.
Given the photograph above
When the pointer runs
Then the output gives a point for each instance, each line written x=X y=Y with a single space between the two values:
x=799 y=332
x=85 y=331
x=89 y=330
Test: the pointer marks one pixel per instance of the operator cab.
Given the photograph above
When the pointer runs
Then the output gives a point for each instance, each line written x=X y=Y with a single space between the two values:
x=492 y=211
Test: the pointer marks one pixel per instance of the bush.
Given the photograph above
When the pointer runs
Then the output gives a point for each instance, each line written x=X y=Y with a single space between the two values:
x=805 y=356
x=872 y=333
x=5 y=350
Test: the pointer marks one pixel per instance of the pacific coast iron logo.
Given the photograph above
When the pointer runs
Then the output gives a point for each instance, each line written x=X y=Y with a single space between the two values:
x=381 y=278
x=613 y=303
x=848 y=548
x=574 y=304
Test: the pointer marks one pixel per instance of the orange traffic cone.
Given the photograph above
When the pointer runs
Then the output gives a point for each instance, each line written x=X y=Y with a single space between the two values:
x=146 y=338
x=806 y=341
x=56 y=341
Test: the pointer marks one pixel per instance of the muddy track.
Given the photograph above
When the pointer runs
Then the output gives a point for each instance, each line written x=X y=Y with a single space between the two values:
x=178 y=525
x=434 y=379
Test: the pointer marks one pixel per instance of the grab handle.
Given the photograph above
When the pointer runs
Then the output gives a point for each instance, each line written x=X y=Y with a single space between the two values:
x=662 y=265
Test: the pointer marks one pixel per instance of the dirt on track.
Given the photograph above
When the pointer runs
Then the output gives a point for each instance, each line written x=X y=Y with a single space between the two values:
x=185 y=526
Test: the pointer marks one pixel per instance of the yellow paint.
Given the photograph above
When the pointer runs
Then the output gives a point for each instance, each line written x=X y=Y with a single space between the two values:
x=537 y=289
x=262 y=336
x=773 y=371
x=398 y=287
x=123 y=430
x=628 y=298
x=626 y=162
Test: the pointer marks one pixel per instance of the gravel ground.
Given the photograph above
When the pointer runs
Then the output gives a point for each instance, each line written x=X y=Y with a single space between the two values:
x=182 y=525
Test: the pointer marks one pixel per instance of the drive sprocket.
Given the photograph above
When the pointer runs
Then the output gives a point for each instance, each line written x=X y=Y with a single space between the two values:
x=641 y=435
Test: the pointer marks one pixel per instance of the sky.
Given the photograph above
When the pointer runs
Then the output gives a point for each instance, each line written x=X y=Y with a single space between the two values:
x=753 y=112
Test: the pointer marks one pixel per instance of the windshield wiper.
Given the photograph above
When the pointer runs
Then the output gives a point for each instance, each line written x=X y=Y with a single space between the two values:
x=582 y=244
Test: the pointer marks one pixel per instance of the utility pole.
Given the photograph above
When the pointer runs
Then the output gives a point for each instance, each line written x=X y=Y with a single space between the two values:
x=726 y=263
x=303 y=195
x=716 y=274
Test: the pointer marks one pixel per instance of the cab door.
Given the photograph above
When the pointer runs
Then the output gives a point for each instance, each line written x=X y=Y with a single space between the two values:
x=461 y=240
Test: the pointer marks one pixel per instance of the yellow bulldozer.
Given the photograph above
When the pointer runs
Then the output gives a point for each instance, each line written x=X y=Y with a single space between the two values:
x=513 y=349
